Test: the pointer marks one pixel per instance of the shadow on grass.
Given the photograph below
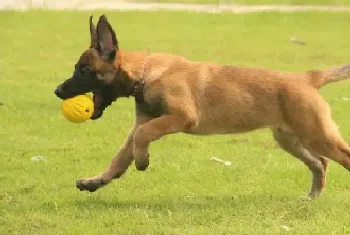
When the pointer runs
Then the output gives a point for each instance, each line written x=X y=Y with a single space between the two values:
x=237 y=202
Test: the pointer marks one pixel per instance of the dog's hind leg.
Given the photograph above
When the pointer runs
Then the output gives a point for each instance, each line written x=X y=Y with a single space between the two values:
x=288 y=141
x=119 y=164
x=310 y=119
x=330 y=144
x=309 y=116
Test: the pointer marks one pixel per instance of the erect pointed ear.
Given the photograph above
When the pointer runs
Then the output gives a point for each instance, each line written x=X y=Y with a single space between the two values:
x=107 y=43
x=93 y=33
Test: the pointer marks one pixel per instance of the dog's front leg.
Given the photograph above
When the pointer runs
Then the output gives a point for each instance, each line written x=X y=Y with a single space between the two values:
x=117 y=167
x=153 y=130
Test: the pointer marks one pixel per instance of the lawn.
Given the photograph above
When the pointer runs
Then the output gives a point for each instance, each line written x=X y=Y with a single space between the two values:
x=254 y=2
x=182 y=192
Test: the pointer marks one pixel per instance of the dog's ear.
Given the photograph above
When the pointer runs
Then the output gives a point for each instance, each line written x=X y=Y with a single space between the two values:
x=93 y=33
x=107 y=44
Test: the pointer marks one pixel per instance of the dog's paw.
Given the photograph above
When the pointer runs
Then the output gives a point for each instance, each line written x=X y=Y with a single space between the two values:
x=90 y=185
x=141 y=157
x=142 y=163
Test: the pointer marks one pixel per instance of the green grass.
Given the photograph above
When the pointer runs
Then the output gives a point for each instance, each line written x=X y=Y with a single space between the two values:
x=182 y=192
x=255 y=2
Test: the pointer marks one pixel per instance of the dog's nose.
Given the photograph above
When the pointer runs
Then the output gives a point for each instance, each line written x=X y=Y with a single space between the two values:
x=58 y=92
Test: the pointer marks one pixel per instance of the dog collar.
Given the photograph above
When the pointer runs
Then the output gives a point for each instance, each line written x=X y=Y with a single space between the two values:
x=138 y=87
x=137 y=90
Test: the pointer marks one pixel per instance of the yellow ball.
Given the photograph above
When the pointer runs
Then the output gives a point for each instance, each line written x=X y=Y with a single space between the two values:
x=78 y=109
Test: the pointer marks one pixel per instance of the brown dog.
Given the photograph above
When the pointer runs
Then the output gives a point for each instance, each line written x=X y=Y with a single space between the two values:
x=175 y=95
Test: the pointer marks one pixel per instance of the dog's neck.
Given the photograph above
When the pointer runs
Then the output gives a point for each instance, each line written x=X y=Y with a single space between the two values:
x=130 y=81
x=132 y=62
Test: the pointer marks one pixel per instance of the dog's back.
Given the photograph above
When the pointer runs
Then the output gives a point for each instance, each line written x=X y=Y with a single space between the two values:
x=223 y=99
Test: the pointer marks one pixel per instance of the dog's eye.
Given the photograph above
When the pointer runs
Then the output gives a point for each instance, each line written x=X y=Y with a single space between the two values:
x=86 y=70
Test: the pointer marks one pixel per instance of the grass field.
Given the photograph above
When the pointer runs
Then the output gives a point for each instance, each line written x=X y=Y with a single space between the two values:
x=182 y=192
x=256 y=2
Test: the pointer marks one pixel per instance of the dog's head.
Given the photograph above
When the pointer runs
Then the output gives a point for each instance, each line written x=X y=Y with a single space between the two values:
x=96 y=70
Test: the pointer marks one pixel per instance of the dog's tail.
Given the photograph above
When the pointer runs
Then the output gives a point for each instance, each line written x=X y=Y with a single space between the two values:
x=320 y=78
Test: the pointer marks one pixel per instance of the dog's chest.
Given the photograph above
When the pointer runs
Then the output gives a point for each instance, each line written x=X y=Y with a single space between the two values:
x=155 y=108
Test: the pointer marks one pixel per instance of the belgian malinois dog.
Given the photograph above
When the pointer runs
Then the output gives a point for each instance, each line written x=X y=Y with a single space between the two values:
x=173 y=95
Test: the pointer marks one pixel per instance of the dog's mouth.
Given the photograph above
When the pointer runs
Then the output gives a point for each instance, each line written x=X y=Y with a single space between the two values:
x=103 y=98
x=98 y=110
